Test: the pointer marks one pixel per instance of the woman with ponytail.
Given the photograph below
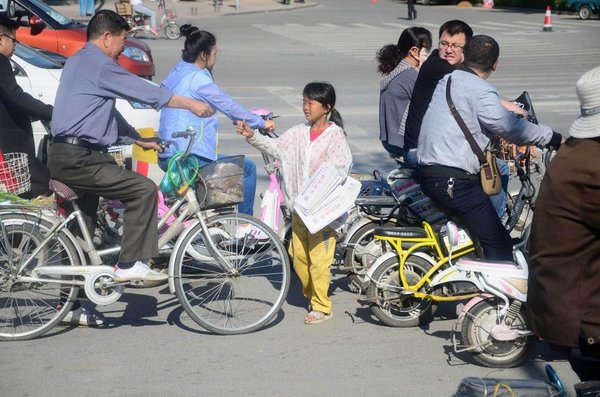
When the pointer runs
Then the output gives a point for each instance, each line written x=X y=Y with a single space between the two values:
x=399 y=67
x=192 y=77
x=301 y=150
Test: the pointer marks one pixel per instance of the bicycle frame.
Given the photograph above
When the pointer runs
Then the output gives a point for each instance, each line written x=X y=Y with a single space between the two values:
x=447 y=275
x=188 y=197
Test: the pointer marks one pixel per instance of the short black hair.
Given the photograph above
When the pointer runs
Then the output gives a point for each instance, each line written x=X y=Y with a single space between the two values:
x=106 y=21
x=455 y=27
x=7 y=25
x=481 y=52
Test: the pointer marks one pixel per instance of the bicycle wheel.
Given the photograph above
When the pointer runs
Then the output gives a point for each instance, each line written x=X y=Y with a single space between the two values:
x=476 y=331
x=363 y=250
x=171 y=30
x=30 y=309
x=385 y=292
x=226 y=303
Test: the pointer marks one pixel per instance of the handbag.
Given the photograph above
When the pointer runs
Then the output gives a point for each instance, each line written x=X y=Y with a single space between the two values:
x=491 y=387
x=488 y=166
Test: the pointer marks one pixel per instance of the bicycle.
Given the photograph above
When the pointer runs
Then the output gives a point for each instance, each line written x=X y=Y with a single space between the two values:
x=226 y=283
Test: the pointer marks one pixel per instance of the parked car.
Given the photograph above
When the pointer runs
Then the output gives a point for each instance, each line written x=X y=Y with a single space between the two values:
x=39 y=75
x=43 y=27
x=585 y=8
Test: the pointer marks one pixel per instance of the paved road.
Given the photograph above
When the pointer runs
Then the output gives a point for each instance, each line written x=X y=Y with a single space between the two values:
x=150 y=348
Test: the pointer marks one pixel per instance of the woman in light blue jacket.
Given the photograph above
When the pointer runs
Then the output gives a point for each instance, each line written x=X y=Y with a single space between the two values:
x=192 y=77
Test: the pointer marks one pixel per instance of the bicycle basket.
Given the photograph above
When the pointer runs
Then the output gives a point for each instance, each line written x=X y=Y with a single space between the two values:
x=221 y=183
x=14 y=173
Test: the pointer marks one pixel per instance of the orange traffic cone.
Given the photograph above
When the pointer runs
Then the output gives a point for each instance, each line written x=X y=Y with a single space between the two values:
x=548 y=20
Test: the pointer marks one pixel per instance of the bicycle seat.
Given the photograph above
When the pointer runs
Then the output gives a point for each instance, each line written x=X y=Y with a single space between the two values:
x=400 y=232
x=62 y=190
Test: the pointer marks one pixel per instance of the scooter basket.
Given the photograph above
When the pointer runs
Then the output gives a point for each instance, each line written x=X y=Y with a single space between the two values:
x=221 y=183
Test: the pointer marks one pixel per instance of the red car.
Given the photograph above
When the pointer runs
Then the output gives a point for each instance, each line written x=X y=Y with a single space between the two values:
x=43 y=27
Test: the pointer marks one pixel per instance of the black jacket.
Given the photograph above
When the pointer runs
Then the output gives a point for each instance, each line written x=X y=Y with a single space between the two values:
x=17 y=110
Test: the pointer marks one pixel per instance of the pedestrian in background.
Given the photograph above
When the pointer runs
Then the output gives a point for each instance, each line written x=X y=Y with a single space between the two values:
x=412 y=11
x=87 y=7
x=563 y=296
x=301 y=150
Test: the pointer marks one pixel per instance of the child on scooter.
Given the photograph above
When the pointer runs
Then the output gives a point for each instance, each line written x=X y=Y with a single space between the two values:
x=301 y=150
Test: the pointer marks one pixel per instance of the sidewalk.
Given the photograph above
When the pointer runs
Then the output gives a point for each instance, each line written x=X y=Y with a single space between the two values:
x=195 y=9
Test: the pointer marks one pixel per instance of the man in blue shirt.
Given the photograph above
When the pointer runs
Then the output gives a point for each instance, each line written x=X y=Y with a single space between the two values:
x=85 y=123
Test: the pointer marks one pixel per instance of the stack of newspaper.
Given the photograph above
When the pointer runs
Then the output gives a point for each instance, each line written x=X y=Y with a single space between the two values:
x=325 y=197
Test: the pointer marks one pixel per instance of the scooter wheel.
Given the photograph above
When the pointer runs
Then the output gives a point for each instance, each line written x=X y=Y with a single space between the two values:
x=171 y=31
x=475 y=331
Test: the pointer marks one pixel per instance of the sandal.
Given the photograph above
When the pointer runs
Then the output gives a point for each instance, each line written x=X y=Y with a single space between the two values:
x=316 y=317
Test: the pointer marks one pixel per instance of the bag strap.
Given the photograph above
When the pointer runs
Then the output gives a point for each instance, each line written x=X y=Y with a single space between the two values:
x=461 y=123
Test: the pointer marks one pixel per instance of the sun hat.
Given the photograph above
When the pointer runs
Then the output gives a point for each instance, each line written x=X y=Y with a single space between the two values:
x=587 y=124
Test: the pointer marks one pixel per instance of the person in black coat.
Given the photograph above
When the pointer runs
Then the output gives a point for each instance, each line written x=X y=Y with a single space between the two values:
x=17 y=110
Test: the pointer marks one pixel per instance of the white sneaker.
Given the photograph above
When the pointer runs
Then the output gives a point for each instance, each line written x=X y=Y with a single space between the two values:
x=247 y=230
x=82 y=317
x=139 y=272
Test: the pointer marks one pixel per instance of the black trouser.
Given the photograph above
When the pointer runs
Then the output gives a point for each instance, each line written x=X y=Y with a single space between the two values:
x=475 y=212
x=93 y=174
x=412 y=12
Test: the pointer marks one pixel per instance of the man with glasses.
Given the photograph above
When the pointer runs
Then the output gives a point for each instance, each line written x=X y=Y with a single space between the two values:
x=17 y=109
x=453 y=36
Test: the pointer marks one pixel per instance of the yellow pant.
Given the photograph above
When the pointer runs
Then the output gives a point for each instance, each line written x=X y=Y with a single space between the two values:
x=312 y=257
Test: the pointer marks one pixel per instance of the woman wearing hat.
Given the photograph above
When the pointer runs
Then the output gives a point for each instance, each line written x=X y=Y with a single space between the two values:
x=564 y=267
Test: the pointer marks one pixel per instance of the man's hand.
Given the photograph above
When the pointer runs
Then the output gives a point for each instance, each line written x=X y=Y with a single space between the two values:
x=511 y=107
x=201 y=109
x=148 y=145
x=244 y=129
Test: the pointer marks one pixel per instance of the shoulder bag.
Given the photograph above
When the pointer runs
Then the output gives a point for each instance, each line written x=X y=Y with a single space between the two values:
x=488 y=167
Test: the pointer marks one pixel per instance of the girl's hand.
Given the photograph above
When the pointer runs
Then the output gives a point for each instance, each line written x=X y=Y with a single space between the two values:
x=269 y=125
x=244 y=129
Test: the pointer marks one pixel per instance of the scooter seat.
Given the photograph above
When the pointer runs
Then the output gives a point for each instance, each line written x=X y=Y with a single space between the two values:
x=483 y=265
x=400 y=232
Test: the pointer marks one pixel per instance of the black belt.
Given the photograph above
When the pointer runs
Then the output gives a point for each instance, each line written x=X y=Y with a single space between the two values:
x=71 y=140
x=442 y=171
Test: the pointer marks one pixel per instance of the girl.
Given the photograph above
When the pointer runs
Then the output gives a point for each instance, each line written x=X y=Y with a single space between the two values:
x=193 y=78
x=301 y=150
x=399 y=66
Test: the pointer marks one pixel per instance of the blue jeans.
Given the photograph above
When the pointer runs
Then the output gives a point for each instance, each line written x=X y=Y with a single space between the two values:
x=499 y=200
x=245 y=207
x=475 y=212
x=87 y=7
x=142 y=9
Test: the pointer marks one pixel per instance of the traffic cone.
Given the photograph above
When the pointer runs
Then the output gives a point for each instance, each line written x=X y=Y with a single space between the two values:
x=548 y=20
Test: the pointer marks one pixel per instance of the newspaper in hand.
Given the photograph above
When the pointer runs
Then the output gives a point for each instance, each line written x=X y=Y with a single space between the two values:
x=325 y=197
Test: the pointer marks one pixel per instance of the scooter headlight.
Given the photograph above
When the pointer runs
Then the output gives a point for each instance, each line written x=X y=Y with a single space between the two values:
x=136 y=54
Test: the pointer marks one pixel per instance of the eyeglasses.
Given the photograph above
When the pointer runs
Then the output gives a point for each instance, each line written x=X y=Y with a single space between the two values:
x=12 y=38
x=454 y=46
